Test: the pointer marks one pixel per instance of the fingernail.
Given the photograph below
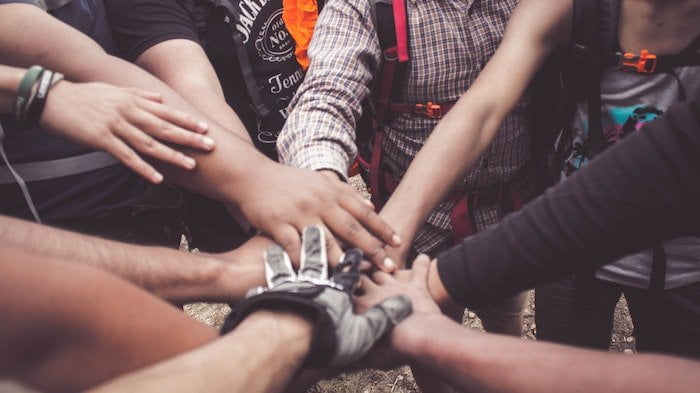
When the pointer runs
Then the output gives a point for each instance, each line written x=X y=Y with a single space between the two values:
x=189 y=162
x=396 y=239
x=389 y=264
x=157 y=177
x=369 y=203
x=203 y=126
x=208 y=142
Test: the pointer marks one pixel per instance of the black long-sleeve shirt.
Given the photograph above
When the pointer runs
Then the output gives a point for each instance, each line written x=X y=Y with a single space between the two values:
x=643 y=190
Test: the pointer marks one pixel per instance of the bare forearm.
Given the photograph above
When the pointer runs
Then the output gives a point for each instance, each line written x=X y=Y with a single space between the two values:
x=183 y=65
x=261 y=355
x=492 y=363
x=171 y=272
x=216 y=175
x=10 y=78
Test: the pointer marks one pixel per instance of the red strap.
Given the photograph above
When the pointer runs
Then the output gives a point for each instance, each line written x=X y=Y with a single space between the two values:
x=461 y=220
x=429 y=109
x=399 y=8
x=387 y=81
x=374 y=171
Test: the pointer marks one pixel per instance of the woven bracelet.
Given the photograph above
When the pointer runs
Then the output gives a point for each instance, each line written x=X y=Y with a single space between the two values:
x=24 y=91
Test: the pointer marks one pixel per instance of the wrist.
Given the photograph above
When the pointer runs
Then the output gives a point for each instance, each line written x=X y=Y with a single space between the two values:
x=412 y=337
x=439 y=293
x=295 y=330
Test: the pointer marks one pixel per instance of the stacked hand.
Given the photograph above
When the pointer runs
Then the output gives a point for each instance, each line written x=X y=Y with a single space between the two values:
x=289 y=199
x=341 y=336
x=122 y=122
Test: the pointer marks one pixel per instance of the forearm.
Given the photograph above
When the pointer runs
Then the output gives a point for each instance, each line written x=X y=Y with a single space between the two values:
x=183 y=65
x=260 y=355
x=320 y=130
x=641 y=191
x=10 y=78
x=483 y=362
x=458 y=140
x=464 y=134
x=216 y=175
x=171 y=274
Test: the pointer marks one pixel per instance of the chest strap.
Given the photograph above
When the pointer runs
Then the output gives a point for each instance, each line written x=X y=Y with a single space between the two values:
x=52 y=169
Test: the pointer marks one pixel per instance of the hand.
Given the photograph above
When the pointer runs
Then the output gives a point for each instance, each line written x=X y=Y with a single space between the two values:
x=281 y=201
x=411 y=283
x=120 y=120
x=341 y=336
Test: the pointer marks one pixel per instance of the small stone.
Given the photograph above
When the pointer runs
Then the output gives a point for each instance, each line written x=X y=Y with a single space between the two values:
x=629 y=339
x=470 y=314
x=533 y=326
x=628 y=351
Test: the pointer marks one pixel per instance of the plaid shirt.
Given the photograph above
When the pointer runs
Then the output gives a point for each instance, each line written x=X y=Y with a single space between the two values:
x=450 y=42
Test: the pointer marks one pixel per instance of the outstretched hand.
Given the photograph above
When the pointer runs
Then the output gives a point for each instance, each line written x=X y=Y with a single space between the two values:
x=286 y=200
x=341 y=336
x=411 y=283
x=122 y=122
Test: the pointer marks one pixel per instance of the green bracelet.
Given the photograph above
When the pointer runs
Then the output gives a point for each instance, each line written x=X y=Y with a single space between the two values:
x=24 y=90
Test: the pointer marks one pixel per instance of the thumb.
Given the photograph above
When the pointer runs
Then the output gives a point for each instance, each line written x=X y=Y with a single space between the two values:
x=363 y=331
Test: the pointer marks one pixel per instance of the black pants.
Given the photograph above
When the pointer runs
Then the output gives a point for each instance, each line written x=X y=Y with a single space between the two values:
x=160 y=216
x=580 y=311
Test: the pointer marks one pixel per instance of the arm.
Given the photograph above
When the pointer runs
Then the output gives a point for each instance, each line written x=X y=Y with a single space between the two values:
x=482 y=362
x=122 y=120
x=467 y=130
x=261 y=355
x=642 y=191
x=320 y=131
x=161 y=38
x=174 y=275
x=67 y=326
x=276 y=199
x=183 y=65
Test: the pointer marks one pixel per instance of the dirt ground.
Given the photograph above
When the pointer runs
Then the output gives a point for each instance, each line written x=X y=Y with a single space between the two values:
x=400 y=380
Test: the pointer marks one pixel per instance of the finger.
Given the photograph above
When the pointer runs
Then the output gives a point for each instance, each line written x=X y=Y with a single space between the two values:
x=278 y=266
x=403 y=275
x=349 y=229
x=382 y=278
x=419 y=270
x=347 y=273
x=287 y=237
x=370 y=220
x=174 y=116
x=369 y=327
x=167 y=130
x=148 y=95
x=122 y=152
x=146 y=144
x=367 y=283
x=313 y=260
x=334 y=249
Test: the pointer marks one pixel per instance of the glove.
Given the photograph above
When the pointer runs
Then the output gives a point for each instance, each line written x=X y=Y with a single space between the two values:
x=340 y=336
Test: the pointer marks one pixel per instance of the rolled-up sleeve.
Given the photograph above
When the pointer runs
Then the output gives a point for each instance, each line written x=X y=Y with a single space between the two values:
x=344 y=54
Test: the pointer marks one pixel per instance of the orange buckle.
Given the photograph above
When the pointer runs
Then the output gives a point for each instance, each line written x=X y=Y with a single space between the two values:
x=644 y=63
x=433 y=111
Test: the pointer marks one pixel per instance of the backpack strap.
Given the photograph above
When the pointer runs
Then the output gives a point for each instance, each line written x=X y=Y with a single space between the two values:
x=592 y=29
x=234 y=15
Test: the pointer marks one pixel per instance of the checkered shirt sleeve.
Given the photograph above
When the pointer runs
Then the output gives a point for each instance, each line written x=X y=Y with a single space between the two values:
x=344 y=55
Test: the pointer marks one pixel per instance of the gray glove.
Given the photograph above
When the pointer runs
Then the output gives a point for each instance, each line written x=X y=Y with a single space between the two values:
x=340 y=337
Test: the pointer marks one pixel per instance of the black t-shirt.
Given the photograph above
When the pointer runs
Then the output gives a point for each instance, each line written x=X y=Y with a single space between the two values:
x=71 y=197
x=140 y=24
x=642 y=191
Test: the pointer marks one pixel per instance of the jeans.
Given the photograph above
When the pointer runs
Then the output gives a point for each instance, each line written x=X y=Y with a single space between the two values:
x=580 y=310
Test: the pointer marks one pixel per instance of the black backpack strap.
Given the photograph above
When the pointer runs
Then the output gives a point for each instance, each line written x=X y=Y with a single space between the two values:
x=593 y=67
x=233 y=14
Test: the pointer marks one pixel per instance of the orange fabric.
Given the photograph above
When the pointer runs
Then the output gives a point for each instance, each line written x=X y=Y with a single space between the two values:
x=300 y=18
